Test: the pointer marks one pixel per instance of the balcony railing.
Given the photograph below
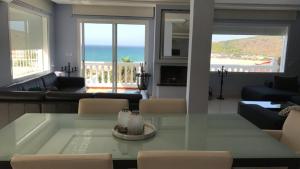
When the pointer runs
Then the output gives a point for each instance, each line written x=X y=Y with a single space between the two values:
x=270 y=67
x=245 y=68
x=27 y=62
x=99 y=74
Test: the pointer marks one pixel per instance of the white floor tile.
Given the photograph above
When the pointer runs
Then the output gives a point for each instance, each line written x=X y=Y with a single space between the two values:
x=227 y=106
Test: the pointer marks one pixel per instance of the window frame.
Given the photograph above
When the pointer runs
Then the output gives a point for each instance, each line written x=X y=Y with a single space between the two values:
x=113 y=21
x=267 y=23
x=48 y=49
x=82 y=21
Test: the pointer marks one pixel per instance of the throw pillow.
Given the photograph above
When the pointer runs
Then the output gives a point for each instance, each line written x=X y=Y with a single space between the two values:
x=52 y=88
x=286 y=83
x=35 y=89
x=285 y=112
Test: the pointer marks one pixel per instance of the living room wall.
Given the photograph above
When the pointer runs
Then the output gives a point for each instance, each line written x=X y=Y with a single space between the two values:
x=5 y=77
x=65 y=36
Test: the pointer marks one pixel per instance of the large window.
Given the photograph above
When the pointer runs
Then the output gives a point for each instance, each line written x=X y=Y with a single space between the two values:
x=112 y=54
x=29 y=42
x=243 y=47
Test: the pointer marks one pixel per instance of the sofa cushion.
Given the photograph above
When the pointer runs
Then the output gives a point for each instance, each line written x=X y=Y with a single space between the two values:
x=50 y=80
x=73 y=89
x=35 y=83
x=66 y=96
x=286 y=83
x=295 y=99
x=35 y=89
x=265 y=93
x=15 y=87
x=130 y=97
x=13 y=96
x=70 y=82
x=261 y=117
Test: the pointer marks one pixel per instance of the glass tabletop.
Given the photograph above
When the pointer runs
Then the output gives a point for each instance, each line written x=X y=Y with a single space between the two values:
x=71 y=134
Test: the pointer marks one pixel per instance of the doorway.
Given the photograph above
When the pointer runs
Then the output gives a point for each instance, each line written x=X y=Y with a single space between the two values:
x=112 y=54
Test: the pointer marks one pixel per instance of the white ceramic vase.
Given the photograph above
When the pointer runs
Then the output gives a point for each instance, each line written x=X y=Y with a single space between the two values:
x=123 y=118
x=135 y=124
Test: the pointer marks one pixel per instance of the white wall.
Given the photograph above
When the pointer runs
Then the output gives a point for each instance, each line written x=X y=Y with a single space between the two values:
x=5 y=63
x=65 y=37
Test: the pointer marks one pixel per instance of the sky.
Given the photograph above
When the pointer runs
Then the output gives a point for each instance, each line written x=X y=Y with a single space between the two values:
x=101 y=34
x=131 y=35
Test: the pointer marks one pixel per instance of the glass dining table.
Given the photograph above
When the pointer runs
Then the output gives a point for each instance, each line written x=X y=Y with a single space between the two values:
x=71 y=134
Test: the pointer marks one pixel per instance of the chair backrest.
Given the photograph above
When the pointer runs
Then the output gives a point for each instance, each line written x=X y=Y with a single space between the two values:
x=291 y=131
x=97 y=161
x=184 y=160
x=162 y=106
x=101 y=106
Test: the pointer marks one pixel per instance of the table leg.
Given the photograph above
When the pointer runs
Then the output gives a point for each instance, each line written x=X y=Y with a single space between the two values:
x=294 y=166
x=125 y=164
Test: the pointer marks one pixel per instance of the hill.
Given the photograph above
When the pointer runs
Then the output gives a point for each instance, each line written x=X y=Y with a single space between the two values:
x=264 y=46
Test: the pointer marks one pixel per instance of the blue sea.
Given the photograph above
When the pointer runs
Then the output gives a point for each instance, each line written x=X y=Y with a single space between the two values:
x=104 y=53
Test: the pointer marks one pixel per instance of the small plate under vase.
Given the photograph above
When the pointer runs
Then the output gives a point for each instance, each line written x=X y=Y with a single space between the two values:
x=149 y=131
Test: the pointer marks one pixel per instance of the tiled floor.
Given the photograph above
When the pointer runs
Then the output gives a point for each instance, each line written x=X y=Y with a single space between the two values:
x=228 y=105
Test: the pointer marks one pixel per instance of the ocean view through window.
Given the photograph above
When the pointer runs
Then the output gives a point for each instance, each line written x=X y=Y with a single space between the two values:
x=113 y=54
x=249 y=48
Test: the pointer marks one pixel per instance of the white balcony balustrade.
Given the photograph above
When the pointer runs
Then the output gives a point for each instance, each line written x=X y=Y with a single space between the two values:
x=99 y=74
x=271 y=67
x=27 y=62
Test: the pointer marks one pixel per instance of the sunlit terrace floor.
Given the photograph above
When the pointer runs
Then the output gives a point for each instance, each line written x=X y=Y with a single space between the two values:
x=108 y=90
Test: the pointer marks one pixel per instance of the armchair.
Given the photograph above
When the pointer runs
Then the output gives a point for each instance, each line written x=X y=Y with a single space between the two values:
x=276 y=134
x=290 y=133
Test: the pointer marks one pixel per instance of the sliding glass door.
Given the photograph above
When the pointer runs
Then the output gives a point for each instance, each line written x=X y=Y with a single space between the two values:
x=98 y=56
x=112 y=54
x=130 y=54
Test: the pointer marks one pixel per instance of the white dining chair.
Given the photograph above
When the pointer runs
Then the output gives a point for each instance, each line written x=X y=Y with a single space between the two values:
x=184 y=160
x=162 y=106
x=290 y=133
x=96 y=161
x=94 y=106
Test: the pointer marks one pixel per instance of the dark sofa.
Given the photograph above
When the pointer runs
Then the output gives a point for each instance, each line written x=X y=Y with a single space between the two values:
x=264 y=93
x=261 y=117
x=50 y=82
x=282 y=89
x=51 y=94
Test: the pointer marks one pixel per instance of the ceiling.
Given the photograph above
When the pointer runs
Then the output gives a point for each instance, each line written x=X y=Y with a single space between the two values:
x=283 y=3
x=121 y=2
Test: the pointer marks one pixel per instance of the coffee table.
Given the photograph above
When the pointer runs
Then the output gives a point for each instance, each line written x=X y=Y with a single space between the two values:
x=269 y=104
